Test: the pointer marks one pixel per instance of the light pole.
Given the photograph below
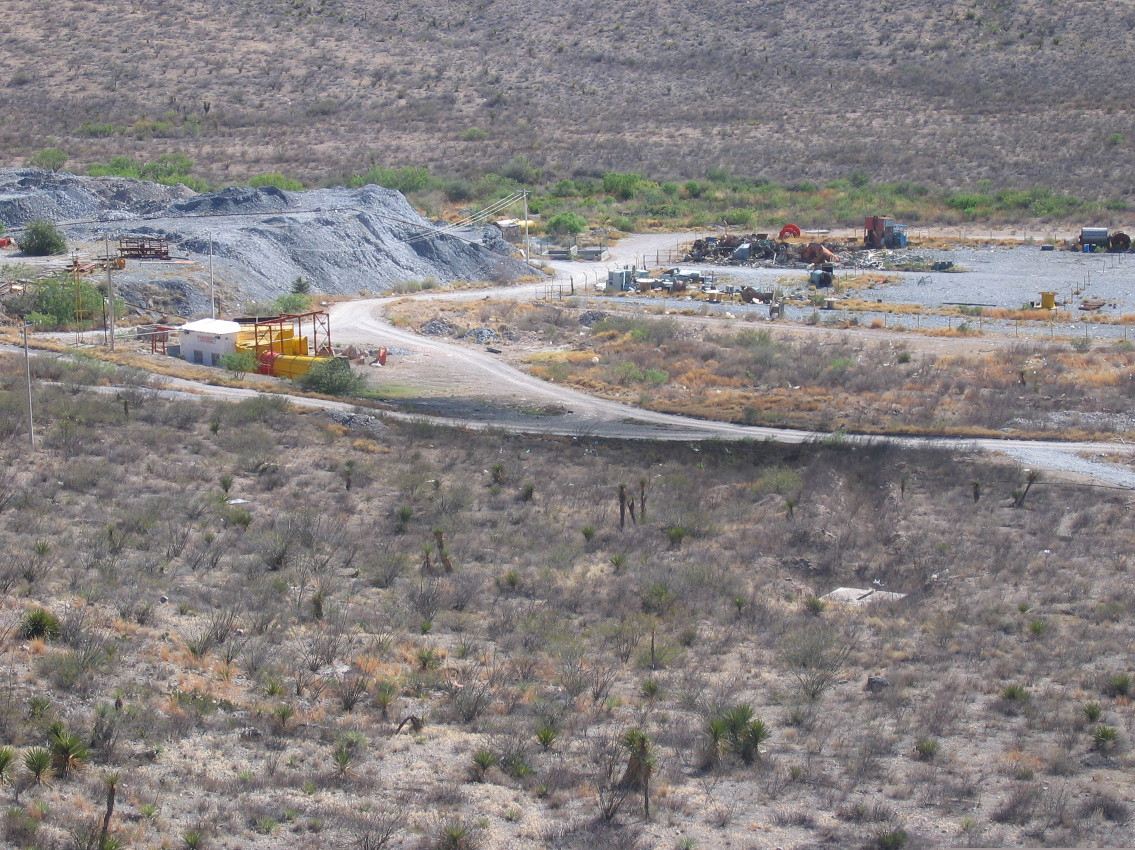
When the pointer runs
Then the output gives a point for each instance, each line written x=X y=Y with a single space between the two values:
x=28 y=376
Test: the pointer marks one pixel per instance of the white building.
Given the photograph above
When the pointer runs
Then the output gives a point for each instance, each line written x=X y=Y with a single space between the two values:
x=206 y=340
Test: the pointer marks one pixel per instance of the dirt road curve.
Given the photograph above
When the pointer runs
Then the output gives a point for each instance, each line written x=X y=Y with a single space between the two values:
x=474 y=389
x=479 y=390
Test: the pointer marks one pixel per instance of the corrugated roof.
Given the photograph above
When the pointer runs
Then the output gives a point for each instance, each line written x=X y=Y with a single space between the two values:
x=211 y=326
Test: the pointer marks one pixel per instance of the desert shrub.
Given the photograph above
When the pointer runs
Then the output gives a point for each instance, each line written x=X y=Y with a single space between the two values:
x=51 y=159
x=332 y=377
x=238 y=363
x=68 y=751
x=1105 y=738
x=59 y=301
x=815 y=659
x=39 y=623
x=890 y=839
x=1108 y=807
x=405 y=180
x=280 y=181
x=567 y=224
x=737 y=731
x=622 y=186
x=1118 y=685
x=926 y=749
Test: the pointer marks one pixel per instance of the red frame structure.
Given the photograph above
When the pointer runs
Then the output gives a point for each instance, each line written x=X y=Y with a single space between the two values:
x=320 y=331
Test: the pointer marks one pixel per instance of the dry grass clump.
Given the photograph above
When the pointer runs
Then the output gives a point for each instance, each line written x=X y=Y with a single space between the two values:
x=271 y=633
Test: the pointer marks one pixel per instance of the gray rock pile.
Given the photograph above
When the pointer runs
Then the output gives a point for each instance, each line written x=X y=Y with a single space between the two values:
x=438 y=326
x=342 y=241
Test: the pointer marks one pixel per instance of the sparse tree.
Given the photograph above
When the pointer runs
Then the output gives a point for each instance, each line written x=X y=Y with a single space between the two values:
x=51 y=159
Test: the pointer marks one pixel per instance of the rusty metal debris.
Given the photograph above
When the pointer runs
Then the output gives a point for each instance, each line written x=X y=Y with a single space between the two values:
x=143 y=248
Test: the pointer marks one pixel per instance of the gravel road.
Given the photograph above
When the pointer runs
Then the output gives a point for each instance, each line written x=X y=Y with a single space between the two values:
x=480 y=390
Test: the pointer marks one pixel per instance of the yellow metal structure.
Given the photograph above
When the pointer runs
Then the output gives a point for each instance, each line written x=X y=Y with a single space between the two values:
x=280 y=346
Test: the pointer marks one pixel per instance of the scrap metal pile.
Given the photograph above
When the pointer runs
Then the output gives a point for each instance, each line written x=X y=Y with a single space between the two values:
x=758 y=250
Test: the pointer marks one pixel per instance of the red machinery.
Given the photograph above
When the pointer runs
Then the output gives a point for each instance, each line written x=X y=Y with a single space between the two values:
x=881 y=231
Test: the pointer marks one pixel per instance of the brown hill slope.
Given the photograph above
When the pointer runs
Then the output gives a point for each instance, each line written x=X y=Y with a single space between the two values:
x=1026 y=92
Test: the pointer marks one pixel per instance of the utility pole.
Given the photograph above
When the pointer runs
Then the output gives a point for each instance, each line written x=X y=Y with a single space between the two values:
x=527 y=248
x=212 y=297
x=109 y=290
x=28 y=376
x=78 y=303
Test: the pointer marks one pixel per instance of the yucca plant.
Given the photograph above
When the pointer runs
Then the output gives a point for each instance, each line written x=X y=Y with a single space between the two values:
x=1104 y=738
x=385 y=693
x=283 y=713
x=1015 y=693
x=925 y=749
x=39 y=623
x=483 y=761
x=546 y=736
x=37 y=762
x=745 y=734
x=716 y=730
x=344 y=757
x=428 y=659
x=7 y=756
x=68 y=752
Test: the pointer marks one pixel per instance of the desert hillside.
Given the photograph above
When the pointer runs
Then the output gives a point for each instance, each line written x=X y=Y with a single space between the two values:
x=268 y=629
x=1021 y=92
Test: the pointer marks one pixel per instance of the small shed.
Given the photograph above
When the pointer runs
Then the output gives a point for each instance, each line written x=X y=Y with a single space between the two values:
x=207 y=340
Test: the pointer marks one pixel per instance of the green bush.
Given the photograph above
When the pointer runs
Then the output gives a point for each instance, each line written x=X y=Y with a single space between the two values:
x=51 y=159
x=280 y=181
x=42 y=239
x=53 y=302
x=292 y=303
x=567 y=224
x=622 y=186
x=118 y=166
x=238 y=363
x=738 y=217
x=401 y=179
x=332 y=377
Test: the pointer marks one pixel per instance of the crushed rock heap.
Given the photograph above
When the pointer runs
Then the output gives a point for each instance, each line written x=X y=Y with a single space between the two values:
x=342 y=241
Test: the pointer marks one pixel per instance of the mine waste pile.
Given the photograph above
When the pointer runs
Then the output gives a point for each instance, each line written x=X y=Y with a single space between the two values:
x=258 y=240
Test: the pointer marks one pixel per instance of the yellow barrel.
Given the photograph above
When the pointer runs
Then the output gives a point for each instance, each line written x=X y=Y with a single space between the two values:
x=1048 y=300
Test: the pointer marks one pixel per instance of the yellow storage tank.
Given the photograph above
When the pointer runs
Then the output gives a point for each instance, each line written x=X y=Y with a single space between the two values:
x=293 y=365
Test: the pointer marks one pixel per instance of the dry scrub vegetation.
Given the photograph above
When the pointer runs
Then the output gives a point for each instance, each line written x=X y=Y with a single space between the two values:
x=1024 y=93
x=241 y=626
x=736 y=372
